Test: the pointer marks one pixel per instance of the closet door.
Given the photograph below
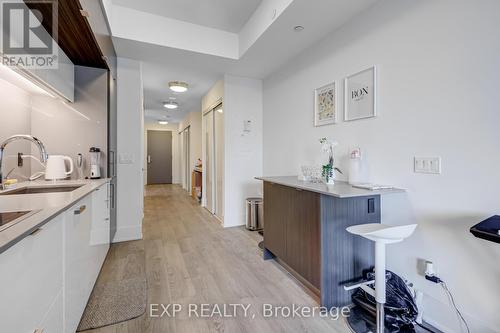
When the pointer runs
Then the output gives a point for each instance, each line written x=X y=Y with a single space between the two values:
x=187 y=163
x=209 y=160
x=183 y=170
x=219 y=161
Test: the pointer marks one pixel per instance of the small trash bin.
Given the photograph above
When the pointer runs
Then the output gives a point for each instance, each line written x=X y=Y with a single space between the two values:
x=254 y=213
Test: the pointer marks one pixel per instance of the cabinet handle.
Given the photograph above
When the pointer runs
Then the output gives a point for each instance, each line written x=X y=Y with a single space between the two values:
x=112 y=195
x=80 y=210
x=36 y=231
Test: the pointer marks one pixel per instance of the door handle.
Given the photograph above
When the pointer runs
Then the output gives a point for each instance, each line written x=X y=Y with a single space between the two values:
x=112 y=195
x=36 y=231
x=149 y=159
x=80 y=210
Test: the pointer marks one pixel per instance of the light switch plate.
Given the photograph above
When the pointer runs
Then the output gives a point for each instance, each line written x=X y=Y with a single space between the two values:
x=126 y=158
x=430 y=165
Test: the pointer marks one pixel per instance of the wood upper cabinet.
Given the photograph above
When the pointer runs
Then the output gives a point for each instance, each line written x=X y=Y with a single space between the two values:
x=292 y=229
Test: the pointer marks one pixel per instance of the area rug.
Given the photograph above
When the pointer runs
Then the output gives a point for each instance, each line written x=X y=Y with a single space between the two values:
x=114 y=302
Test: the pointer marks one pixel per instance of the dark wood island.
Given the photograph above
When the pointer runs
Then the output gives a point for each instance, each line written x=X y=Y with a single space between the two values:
x=304 y=230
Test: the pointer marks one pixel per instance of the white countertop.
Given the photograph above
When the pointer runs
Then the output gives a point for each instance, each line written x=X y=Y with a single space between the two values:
x=339 y=190
x=48 y=206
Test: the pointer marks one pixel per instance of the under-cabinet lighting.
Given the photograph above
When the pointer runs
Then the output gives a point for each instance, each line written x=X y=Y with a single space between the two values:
x=16 y=78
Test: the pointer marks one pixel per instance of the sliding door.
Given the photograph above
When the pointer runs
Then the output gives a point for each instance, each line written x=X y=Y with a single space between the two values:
x=219 y=161
x=209 y=166
x=185 y=158
x=214 y=161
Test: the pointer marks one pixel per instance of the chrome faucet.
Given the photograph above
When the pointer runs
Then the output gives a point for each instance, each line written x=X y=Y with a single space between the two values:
x=38 y=143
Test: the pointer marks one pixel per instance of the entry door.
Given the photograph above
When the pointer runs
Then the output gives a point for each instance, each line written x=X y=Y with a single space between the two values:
x=159 y=157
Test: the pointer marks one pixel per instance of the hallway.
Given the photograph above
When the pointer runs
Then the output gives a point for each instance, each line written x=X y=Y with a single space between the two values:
x=190 y=258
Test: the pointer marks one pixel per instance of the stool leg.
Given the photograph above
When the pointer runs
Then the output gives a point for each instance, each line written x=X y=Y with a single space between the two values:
x=380 y=318
x=380 y=284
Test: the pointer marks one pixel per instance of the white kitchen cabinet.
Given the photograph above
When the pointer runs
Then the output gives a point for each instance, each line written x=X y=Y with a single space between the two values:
x=60 y=79
x=53 y=320
x=47 y=277
x=86 y=246
x=31 y=279
x=78 y=262
x=100 y=229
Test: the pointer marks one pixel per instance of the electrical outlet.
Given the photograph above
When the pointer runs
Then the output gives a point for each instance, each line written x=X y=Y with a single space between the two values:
x=427 y=165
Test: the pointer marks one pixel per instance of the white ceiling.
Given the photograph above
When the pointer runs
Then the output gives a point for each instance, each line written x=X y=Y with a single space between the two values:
x=228 y=15
x=155 y=79
x=274 y=48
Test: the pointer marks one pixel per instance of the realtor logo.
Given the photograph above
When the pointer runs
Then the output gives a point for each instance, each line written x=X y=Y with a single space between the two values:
x=29 y=37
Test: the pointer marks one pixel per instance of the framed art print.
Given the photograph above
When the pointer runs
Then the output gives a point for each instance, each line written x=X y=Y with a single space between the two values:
x=360 y=95
x=325 y=105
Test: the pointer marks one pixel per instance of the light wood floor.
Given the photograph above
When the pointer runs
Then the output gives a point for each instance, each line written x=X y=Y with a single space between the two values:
x=190 y=258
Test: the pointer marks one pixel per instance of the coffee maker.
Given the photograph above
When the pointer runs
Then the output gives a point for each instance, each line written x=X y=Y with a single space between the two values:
x=95 y=162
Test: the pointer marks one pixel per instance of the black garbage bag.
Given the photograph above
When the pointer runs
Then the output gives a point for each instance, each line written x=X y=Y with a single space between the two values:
x=400 y=308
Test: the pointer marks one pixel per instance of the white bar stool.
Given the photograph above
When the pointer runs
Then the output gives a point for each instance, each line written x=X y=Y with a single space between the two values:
x=381 y=234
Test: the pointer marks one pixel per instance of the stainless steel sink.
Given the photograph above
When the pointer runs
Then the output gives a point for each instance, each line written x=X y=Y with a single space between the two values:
x=42 y=189
x=8 y=219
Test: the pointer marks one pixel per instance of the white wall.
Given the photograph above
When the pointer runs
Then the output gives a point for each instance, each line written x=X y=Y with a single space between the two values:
x=438 y=79
x=130 y=125
x=82 y=124
x=242 y=100
x=153 y=125
x=242 y=151
x=15 y=113
x=193 y=120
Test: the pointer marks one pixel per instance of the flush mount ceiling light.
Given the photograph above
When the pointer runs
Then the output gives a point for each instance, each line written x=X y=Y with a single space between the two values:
x=171 y=105
x=298 y=28
x=178 y=86
x=162 y=122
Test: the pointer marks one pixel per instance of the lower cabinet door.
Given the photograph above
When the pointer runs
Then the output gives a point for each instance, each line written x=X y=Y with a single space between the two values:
x=53 y=321
x=100 y=228
x=276 y=207
x=303 y=242
x=31 y=278
x=79 y=264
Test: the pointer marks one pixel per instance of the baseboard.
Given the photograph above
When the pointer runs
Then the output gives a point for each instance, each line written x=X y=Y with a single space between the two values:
x=125 y=234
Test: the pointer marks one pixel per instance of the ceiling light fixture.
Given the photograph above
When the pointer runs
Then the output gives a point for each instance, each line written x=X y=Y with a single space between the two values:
x=178 y=86
x=171 y=105
x=162 y=122
x=298 y=28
